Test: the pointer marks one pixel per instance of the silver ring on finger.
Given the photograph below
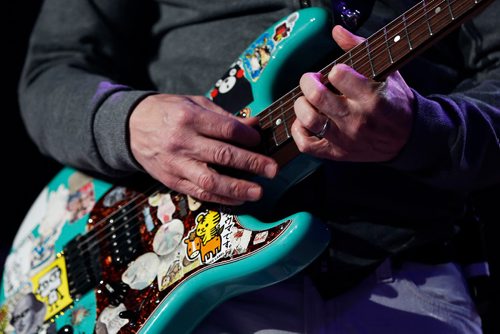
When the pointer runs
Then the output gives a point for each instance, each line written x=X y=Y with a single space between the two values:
x=323 y=130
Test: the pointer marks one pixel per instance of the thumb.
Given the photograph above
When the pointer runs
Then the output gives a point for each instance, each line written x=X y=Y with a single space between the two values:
x=345 y=39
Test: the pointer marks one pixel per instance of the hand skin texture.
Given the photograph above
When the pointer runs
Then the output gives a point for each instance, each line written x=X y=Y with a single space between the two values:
x=179 y=139
x=368 y=121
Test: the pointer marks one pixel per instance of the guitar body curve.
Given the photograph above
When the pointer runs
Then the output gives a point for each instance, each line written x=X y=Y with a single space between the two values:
x=95 y=257
x=89 y=251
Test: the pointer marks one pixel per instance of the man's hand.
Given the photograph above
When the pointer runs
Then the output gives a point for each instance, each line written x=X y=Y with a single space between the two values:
x=177 y=140
x=368 y=121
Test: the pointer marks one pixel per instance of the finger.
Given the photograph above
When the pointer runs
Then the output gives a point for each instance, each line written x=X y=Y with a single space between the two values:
x=325 y=147
x=350 y=83
x=254 y=122
x=224 y=127
x=210 y=105
x=305 y=141
x=226 y=155
x=321 y=98
x=187 y=187
x=199 y=180
x=212 y=183
x=345 y=39
x=316 y=93
x=308 y=116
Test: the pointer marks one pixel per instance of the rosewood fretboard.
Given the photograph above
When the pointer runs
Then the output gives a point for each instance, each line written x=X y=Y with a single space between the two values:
x=380 y=54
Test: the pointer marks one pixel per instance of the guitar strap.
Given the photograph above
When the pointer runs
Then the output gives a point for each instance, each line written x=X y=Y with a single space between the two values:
x=350 y=14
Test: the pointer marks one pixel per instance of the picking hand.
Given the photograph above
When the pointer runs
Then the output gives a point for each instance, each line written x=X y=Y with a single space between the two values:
x=177 y=140
x=368 y=122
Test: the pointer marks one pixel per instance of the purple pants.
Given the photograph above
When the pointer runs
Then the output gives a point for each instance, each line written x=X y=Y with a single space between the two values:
x=414 y=298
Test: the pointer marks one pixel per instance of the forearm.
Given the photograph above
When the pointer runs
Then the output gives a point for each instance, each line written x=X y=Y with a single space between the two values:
x=70 y=99
x=80 y=119
x=455 y=142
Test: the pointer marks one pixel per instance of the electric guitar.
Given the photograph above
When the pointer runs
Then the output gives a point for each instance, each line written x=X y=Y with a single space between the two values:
x=91 y=256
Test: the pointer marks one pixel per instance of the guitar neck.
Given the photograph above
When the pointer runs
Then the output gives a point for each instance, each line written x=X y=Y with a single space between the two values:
x=384 y=52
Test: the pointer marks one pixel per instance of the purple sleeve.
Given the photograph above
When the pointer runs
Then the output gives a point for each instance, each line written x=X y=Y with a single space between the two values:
x=455 y=140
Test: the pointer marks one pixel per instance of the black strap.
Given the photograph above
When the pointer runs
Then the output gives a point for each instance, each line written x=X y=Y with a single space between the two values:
x=351 y=14
x=305 y=3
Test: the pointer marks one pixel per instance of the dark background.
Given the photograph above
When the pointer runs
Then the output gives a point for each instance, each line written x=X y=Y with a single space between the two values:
x=26 y=170
x=29 y=171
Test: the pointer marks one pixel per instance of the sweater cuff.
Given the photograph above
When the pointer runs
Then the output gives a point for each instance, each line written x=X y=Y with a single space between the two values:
x=111 y=130
x=428 y=141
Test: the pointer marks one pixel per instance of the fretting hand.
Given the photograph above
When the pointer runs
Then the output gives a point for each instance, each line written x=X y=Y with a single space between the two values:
x=368 y=122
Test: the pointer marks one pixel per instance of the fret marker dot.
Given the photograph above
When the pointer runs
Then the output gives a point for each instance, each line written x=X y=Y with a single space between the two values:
x=278 y=121
x=397 y=38
x=437 y=10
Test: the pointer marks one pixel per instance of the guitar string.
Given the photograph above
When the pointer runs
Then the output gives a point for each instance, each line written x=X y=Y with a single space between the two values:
x=362 y=48
x=404 y=32
x=85 y=246
x=283 y=114
x=416 y=12
x=105 y=219
x=118 y=227
x=363 y=59
x=299 y=93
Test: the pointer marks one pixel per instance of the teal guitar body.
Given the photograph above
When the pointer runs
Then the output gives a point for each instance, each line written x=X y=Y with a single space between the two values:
x=91 y=256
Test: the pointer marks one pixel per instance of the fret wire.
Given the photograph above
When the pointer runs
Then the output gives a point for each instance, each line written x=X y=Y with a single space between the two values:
x=387 y=44
x=450 y=9
x=406 y=32
x=291 y=107
x=283 y=119
x=426 y=18
x=350 y=52
x=274 y=137
x=367 y=43
x=350 y=58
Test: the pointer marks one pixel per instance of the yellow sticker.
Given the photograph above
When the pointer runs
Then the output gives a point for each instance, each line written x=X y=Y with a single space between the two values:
x=50 y=286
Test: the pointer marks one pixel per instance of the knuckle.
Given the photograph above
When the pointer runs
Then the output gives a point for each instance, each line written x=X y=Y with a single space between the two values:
x=254 y=164
x=299 y=102
x=178 y=185
x=302 y=147
x=174 y=144
x=338 y=73
x=316 y=97
x=307 y=149
x=305 y=80
x=203 y=195
x=206 y=181
x=229 y=129
x=223 y=155
x=236 y=189
x=185 y=116
x=308 y=121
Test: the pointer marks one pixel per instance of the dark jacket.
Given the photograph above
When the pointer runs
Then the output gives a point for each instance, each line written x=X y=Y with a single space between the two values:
x=91 y=62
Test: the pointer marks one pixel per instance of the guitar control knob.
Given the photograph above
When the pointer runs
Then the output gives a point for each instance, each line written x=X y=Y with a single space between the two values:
x=131 y=316
x=65 y=330
x=115 y=292
x=350 y=17
x=351 y=14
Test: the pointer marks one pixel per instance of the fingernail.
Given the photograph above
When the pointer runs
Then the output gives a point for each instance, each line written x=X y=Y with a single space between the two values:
x=254 y=193
x=271 y=170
